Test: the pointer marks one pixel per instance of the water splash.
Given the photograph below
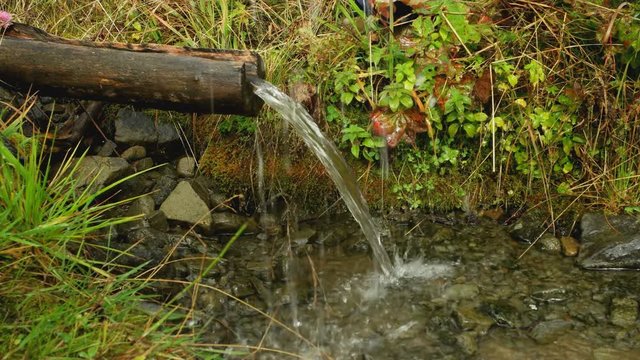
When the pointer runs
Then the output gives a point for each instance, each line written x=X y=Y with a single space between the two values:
x=336 y=166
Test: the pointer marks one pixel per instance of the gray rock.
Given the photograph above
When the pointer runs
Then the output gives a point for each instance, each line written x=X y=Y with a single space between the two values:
x=184 y=204
x=133 y=153
x=624 y=311
x=136 y=128
x=526 y=229
x=163 y=187
x=107 y=149
x=219 y=202
x=143 y=205
x=610 y=242
x=167 y=133
x=202 y=191
x=229 y=223
x=550 y=244
x=461 y=292
x=140 y=206
x=100 y=171
x=548 y=331
x=186 y=166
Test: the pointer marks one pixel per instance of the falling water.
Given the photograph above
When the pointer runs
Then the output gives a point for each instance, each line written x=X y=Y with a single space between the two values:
x=335 y=164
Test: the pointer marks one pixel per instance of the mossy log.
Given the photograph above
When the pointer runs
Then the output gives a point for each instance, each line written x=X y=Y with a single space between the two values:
x=157 y=76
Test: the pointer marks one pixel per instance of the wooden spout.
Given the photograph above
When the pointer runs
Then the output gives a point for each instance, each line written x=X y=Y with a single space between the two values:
x=157 y=76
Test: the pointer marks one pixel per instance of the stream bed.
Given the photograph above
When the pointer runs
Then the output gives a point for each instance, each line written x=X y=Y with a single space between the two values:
x=462 y=293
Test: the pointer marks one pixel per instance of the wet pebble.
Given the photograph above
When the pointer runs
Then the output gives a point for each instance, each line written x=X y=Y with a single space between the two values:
x=468 y=317
x=550 y=244
x=570 y=246
x=624 y=311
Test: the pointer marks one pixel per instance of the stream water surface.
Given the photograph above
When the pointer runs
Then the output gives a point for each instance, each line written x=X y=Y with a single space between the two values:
x=321 y=298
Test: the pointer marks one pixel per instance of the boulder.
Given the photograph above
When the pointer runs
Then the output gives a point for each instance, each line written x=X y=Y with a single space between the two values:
x=136 y=128
x=610 y=242
x=184 y=204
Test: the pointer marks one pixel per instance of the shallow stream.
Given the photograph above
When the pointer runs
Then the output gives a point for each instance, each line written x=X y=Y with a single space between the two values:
x=463 y=294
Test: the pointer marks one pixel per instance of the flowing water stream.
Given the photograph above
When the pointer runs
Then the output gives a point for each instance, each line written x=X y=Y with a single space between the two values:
x=298 y=117
x=456 y=291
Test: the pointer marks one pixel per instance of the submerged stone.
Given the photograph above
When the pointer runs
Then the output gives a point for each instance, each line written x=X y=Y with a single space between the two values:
x=548 y=331
x=624 y=311
x=468 y=317
x=461 y=292
x=610 y=242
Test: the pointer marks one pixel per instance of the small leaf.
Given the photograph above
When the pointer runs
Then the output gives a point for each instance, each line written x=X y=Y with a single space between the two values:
x=394 y=103
x=407 y=101
x=453 y=129
x=355 y=151
x=346 y=97
x=521 y=102
x=470 y=129
x=512 y=79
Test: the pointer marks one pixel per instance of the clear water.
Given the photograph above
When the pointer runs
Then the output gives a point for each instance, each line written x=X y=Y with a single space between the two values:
x=336 y=166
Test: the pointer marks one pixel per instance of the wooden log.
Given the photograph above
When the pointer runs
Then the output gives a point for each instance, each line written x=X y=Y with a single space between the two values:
x=158 y=76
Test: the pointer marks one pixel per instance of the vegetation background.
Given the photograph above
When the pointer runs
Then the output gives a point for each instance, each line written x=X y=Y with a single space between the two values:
x=483 y=104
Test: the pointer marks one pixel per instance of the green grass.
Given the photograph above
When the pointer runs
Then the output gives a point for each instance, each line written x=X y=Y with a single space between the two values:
x=55 y=302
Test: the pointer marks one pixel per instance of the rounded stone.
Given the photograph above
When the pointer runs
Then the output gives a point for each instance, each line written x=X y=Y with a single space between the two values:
x=550 y=244
x=570 y=246
x=133 y=153
x=186 y=166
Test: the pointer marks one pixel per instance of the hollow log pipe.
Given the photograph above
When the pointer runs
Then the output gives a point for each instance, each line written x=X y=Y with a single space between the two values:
x=158 y=76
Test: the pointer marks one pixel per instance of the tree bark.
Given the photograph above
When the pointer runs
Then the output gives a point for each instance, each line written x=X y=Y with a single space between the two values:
x=158 y=76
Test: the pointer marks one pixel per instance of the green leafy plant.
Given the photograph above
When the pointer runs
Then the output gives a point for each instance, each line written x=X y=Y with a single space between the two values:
x=362 y=142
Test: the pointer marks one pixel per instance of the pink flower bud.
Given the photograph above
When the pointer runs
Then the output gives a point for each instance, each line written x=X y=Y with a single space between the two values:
x=5 y=20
